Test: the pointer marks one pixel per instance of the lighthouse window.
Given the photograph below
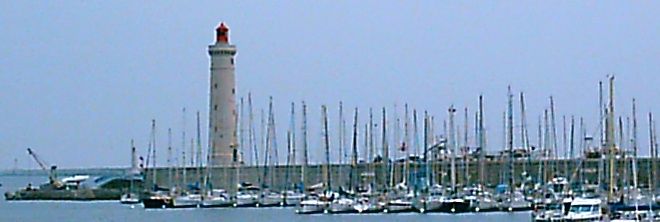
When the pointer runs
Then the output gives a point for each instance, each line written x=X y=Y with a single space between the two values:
x=232 y=61
x=233 y=91
x=216 y=129
x=215 y=85
x=215 y=107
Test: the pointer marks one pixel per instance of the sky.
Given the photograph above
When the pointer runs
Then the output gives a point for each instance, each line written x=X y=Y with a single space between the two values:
x=80 y=79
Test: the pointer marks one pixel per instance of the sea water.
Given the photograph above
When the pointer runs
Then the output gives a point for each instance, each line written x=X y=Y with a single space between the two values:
x=74 y=211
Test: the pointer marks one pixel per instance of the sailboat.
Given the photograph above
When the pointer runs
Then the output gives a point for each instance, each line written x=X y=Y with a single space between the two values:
x=481 y=200
x=247 y=195
x=514 y=200
x=345 y=202
x=210 y=197
x=158 y=197
x=292 y=196
x=320 y=196
x=269 y=196
x=433 y=197
x=371 y=201
x=402 y=198
x=454 y=203
x=192 y=198
x=131 y=197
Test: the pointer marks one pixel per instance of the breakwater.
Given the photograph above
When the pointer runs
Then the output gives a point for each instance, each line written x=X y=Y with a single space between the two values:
x=380 y=174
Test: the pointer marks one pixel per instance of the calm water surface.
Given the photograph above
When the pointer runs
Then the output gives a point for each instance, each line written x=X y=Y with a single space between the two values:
x=113 y=211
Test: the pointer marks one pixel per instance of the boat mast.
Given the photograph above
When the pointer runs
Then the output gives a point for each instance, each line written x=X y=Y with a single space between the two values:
x=241 y=122
x=354 y=156
x=601 y=135
x=153 y=149
x=252 y=137
x=555 y=149
x=135 y=170
x=634 y=144
x=541 y=147
x=466 y=150
x=207 y=174
x=386 y=151
x=326 y=140
x=183 y=148
x=267 y=155
x=510 y=142
x=584 y=144
x=372 y=150
x=293 y=135
x=426 y=149
x=482 y=143
x=546 y=146
x=397 y=146
x=415 y=133
x=502 y=160
x=304 y=144
x=571 y=147
x=291 y=150
x=651 y=166
x=199 y=151
x=611 y=146
x=170 y=182
x=565 y=146
x=452 y=145
x=236 y=161
x=653 y=159
x=524 y=136
x=340 y=142
x=238 y=143
x=404 y=147
x=192 y=159
x=273 y=146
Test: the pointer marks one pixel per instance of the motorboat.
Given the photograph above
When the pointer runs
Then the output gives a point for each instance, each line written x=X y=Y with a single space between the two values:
x=432 y=202
x=247 y=197
x=585 y=209
x=216 y=198
x=551 y=211
x=482 y=202
x=187 y=201
x=129 y=198
x=515 y=202
x=342 y=205
x=157 y=200
x=312 y=206
x=367 y=204
x=400 y=204
x=315 y=203
x=271 y=199
x=292 y=198
x=455 y=204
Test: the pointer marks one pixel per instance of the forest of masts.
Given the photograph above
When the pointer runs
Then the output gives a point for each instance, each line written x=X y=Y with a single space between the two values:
x=374 y=135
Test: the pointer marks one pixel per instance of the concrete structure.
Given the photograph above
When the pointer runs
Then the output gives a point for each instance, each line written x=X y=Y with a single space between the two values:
x=222 y=109
x=227 y=178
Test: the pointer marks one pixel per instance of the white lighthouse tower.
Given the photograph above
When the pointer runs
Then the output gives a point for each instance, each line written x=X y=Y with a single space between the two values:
x=222 y=110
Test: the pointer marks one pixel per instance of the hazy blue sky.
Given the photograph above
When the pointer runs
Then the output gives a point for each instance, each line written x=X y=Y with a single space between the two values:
x=79 y=79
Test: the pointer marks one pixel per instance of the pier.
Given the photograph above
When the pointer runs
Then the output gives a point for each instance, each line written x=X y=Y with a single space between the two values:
x=224 y=177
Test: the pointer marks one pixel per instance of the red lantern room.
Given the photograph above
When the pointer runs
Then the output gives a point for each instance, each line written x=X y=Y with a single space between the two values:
x=222 y=33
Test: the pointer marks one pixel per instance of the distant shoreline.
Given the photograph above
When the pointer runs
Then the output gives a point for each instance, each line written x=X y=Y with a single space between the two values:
x=66 y=172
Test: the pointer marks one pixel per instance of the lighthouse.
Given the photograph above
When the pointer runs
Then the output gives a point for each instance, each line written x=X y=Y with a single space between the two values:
x=222 y=105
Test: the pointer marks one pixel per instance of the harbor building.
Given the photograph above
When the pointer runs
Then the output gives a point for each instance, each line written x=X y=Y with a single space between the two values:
x=222 y=105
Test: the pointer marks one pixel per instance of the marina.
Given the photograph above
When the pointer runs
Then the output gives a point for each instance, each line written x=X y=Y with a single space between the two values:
x=401 y=166
x=380 y=118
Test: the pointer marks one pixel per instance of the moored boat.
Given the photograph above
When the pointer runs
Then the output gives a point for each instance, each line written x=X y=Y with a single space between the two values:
x=585 y=210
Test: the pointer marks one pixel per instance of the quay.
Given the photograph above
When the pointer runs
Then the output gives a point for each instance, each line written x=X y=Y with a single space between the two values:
x=282 y=176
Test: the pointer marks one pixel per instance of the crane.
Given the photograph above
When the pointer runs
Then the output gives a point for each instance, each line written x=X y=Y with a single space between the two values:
x=52 y=176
